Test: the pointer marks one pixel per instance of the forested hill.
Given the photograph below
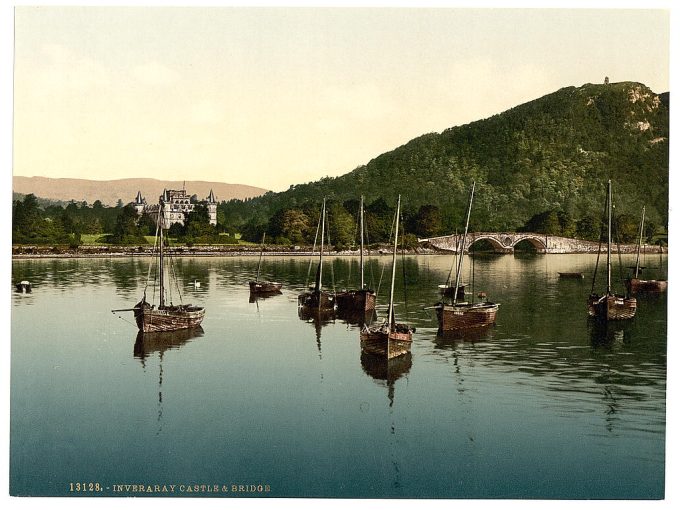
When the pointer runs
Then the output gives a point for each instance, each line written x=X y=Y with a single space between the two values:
x=553 y=154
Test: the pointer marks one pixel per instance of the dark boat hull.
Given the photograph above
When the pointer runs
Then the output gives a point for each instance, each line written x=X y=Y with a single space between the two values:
x=447 y=291
x=635 y=285
x=264 y=287
x=355 y=300
x=386 y=343
x=169 y=318
x=464 y=316
x=611 y=308
x=317 y=300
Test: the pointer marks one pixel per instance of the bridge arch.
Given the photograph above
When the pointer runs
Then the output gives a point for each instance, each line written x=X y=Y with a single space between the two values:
x=492 y=240
x=537 y=242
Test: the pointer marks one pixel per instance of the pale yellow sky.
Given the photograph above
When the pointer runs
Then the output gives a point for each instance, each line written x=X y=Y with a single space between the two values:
x=277 y=96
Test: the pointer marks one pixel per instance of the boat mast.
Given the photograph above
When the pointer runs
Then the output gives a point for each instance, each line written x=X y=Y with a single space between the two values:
x=259 y=264
x=390 y=317
x=637 y=259
x=161 y=302
x=361 y=252
x=609 y=237
x=320 y=271
x=462 y=245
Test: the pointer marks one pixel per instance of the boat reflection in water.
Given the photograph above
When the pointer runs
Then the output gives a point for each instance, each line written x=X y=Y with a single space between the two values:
x=608 y=335
x=447 y=338
x=357 y=318
x=386 y=371
x=148 y=343
x=254 y=297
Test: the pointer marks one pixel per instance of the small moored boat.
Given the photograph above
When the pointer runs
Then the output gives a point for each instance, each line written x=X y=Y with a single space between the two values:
x=316 y=298
x=352 y=302
x=24 y=286
x=164 y=317
x=263 y=287
x=635 y=284
x=388 y=339
x=610 y=306
x=461 y=316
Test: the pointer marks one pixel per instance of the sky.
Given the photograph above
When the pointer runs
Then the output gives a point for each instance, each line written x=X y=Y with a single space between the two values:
x=276 y=96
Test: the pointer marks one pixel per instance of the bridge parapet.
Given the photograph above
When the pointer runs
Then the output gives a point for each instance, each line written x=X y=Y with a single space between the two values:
x=505 y=242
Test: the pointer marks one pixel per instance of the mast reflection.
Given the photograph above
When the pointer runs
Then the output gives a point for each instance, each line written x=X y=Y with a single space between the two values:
x=149 y=343
x=386 y=371
x=319 y=318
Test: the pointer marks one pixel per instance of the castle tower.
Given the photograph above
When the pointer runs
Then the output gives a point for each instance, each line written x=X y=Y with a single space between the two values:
x=212 y=207
x=139 y=203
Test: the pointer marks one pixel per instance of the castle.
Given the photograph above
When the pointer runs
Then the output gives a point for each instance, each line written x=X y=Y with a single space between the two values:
x=176 y=205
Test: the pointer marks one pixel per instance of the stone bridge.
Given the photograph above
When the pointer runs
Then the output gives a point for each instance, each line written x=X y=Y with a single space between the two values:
x=505 y=242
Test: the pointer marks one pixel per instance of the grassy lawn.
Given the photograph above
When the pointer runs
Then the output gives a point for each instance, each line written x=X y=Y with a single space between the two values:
x=92 y=240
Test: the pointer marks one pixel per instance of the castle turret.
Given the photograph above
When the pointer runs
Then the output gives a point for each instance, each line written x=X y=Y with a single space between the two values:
x=139 y=203
x=212 y=208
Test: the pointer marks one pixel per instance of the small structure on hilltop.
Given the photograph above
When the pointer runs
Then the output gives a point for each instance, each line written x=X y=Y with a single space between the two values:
x=176 y=205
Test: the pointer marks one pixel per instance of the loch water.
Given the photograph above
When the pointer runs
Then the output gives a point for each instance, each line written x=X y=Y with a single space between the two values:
x=546 y=404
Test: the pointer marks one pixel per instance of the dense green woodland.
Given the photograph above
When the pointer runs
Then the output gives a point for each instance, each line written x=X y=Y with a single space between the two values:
x=541 y=166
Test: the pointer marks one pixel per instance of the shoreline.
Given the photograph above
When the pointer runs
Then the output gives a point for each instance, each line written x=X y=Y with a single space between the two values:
x=63 y=252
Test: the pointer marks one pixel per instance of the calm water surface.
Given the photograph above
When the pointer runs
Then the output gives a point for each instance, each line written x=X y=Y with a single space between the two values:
x=544 y=405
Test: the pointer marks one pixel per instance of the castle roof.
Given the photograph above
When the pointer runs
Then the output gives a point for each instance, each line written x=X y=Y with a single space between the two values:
x=211 y=197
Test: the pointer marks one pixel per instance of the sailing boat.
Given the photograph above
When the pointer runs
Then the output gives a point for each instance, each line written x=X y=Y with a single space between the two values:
x=150 y=318
x=446 y=289
x=388 y=339
x=458 y=317
x=635 y=284
x=363 y=299
x=316 y=298
x=263 y=287
x=609 y=306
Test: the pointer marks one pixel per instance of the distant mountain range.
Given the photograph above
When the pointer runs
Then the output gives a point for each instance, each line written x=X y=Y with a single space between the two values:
x=109 y=192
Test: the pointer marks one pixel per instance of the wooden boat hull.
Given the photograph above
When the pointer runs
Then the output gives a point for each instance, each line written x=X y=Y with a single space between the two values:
x=317 y=300
x=465 y=316
x=386 y=343
x=264 y=287
x=611 y=308
x=447 y=291
x=635 y=285
x=355 y=300
x=169 y=318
